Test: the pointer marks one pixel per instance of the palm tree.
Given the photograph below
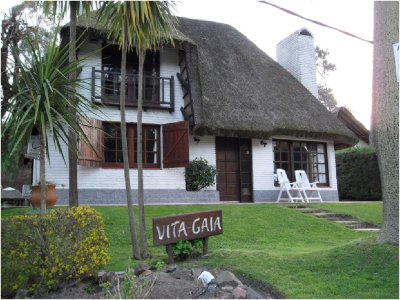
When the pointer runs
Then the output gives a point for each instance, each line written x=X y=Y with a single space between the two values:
x=142 y=25
x=41 y=102
x=53 y=8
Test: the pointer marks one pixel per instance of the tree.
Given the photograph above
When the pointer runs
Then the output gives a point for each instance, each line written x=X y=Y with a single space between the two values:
x=14 y=30
x=385 y=114
x=55 y=8
x=142 y=25
x=324 y=67
x=41 y=102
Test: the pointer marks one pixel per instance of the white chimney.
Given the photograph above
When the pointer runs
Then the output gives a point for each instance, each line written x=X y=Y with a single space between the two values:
x=296 y=53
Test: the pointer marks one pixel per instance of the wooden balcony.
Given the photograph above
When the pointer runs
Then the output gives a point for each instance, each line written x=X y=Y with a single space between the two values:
x=158 y=92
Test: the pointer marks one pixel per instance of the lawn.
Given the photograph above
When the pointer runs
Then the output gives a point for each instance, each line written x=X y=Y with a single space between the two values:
x=367 y=212
x=299 y=255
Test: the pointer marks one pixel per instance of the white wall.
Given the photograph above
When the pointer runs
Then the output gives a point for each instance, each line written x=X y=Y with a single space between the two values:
x=263 y=164
x=204 y=149
x=296 y=53
x=107 y=178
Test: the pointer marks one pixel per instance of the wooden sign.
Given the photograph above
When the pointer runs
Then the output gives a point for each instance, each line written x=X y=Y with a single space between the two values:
x=169 y=230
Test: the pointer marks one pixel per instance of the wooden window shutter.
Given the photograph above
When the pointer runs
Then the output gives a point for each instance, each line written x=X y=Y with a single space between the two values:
x=176 y=144
x=87 y=156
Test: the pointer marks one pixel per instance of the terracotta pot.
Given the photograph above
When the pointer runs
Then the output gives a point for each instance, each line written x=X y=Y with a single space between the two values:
x=51 y=196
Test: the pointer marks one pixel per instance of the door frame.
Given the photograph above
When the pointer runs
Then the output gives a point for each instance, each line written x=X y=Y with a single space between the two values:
x=238 y=143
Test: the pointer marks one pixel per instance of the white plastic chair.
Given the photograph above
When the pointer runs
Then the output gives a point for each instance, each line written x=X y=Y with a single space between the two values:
x=291 y=189
x=310 y=190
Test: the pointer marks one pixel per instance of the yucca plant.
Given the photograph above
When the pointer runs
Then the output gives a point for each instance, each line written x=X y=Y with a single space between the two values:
x=42 y=103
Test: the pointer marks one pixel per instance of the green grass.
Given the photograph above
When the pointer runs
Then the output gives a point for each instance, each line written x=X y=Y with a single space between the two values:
x=301 y=256
x=367 y=212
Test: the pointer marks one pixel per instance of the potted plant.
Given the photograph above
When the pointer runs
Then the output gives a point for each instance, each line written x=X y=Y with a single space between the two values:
x=51 y=195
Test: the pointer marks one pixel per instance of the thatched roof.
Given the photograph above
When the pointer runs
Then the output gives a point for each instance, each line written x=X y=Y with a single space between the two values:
x=348 y=119
x=238 y=90
x=241 y=91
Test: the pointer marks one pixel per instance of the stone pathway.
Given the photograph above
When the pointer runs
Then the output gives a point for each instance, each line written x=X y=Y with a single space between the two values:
x=342 y=219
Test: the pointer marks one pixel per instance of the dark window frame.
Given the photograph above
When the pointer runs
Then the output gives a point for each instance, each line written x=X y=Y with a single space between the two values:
x=111 y=66
x=301 y=164
x=131 y=132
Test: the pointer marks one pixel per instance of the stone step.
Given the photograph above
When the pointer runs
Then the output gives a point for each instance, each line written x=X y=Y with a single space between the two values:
x=367 y=229
x=347 y=222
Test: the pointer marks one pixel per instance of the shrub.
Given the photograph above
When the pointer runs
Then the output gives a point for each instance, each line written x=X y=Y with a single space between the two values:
x=199 y=174
x=358 y=174
x=41 y=253
x=185 y=249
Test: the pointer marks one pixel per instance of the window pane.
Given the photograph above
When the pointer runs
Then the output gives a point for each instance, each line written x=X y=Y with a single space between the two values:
x=296 y=146
x=109 y=156
x=284 y=156
x=151 y=133
x=297 y=166
x=311 y=147
x=321 y=158
x=151 y=158
x=320 y=148
x=304 y=156
x=151 y=146
x=296 y=156
x=119 y=157
x=321 y=168
x=322 y=178
x=276 y=156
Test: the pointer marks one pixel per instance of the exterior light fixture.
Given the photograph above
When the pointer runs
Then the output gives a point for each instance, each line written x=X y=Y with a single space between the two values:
x=196 y=139
x=264 y=143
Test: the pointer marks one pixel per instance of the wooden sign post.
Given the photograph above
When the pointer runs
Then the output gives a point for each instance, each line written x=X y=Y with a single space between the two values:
x=200 y=225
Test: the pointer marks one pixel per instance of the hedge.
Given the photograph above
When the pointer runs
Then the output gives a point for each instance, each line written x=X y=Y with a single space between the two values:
x=358 y=174
x=41 y=253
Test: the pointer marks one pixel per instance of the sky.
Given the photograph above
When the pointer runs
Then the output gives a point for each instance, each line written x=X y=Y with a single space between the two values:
x=266 y=26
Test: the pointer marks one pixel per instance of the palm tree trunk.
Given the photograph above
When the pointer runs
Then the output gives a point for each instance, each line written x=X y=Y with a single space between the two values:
x=72 y=147
x=42 y=175
x=142 y=224
x=135 y=249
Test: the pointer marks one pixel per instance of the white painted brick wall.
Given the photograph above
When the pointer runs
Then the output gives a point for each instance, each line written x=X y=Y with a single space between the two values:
x=263 y=166
x=204 y=149
x=106 y=178
x=296 y=53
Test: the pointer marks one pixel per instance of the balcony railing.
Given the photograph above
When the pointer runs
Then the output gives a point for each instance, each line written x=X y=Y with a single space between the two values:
x=158 y=92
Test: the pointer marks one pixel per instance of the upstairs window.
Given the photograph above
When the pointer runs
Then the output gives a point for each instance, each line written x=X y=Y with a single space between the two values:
x=111 y=68
x=298 y=155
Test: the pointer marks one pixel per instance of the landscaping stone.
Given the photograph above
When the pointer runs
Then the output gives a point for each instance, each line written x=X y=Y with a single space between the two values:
x=140 y=268
x=181 y=283
x=225 y=278
x=239 y=293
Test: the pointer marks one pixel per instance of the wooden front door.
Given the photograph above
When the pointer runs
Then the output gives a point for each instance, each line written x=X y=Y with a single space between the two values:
x=234 y=169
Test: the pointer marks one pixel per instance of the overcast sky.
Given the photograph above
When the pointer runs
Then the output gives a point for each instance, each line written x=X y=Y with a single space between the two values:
x=266 y=26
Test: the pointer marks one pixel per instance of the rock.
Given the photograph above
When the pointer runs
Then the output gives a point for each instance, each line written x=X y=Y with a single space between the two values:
x=146 y=273
x=196 y=272
x=167 y=287
x=227 y=288
x=252 y=294
x=171 y=268
x=140 y=268
x=21 y=294
x=239 y=293
x=228 y=278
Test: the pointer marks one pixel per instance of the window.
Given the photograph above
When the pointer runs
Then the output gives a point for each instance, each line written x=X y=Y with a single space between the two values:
x=113 y=145
x=308 y=156
x=111 y=70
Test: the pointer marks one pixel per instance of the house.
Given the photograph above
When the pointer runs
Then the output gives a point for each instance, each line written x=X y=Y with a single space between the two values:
x=213 y=95
x=347 y=118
